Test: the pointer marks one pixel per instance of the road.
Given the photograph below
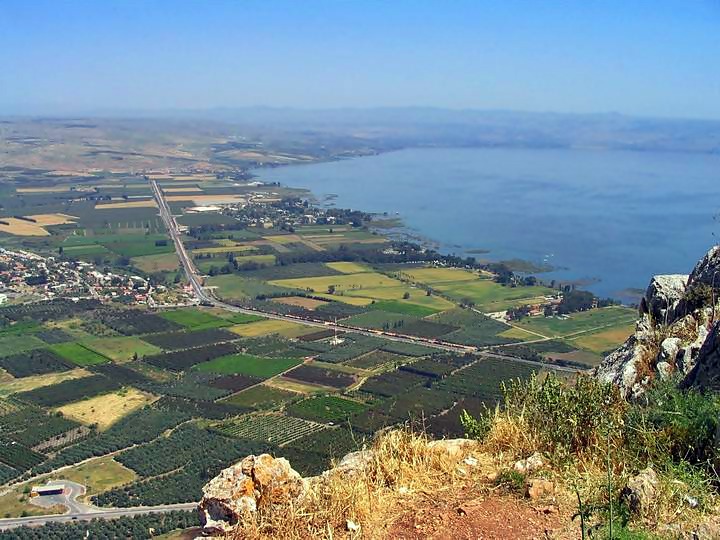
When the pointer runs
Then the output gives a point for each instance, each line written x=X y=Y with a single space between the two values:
x=111 y=513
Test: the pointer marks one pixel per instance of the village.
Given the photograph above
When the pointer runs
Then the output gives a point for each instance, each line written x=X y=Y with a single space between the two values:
x=26 y=277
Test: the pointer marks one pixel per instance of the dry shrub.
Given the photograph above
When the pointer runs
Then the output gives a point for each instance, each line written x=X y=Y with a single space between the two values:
x=399 y=466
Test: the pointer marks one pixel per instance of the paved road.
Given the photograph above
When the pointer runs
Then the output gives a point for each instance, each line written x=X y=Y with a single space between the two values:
x=36 y=521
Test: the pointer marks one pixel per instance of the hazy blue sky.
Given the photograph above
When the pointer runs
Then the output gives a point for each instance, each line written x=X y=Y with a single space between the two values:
x=656 y=57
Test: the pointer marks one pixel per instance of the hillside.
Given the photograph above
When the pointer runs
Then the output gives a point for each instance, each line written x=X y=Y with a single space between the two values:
x=559 y=459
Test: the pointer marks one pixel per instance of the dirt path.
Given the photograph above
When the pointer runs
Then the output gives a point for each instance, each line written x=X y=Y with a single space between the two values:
x=490 y=517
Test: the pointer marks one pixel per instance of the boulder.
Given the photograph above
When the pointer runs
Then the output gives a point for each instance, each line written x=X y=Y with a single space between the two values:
x=705 y=374
x=707 y=270
x=455 y=448
x=669 y=349
x=530 y=465
x=539 y=488
x=663 y=296
x=622 y=366
x=240 y=489
x=640 y=491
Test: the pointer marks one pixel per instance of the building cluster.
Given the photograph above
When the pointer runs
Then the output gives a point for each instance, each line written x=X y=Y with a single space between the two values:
x=26 y=275
x=265 y=211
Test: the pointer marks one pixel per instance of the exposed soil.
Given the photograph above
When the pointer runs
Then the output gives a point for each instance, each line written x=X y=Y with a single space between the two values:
x=488 y=517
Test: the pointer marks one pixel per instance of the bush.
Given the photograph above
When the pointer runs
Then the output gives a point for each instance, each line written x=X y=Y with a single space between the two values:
x=674 y=424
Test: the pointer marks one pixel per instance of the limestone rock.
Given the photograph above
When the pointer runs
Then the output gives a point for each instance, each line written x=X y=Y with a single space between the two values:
x=707 y=269
x=664 y=370
x=241 y=488
x=705 y=374
x=669 y=349
x=539 y=488
x=353 y=463
x=621 y=367
x=641 y=491
x=663 y=297
x=530 y=465
x=455 y=448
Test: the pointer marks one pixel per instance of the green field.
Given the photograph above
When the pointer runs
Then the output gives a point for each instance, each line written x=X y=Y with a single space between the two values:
x=434 y=276
x=490 y=296
x=247 y=364
x=260 y=397
x=325 y=408
x=416 y=296
x=584 y=321
x=13 y=344
x=233 y=286
x=121 y=349
x=343 y=282
x=77 y=354
x=163 y=262
x=194 y=318
x=243 y=318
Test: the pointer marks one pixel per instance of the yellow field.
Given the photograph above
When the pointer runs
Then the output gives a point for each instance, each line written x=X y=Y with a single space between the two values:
x=347 y=282
x=348 y=267
x=417 y=296
x=517 y=333
x=128 y=204
x=269 y=326
x=295 y=386
x=300 y=301
x=352 y=300
x=202 y=200
x=50 y=189
x=20 y=227
x=283 y=238
x=605 y=340
x=439 y=275
x=11 y=386
x=106 y=409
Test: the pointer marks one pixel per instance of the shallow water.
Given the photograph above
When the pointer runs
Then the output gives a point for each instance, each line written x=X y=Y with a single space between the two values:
x=613 y=217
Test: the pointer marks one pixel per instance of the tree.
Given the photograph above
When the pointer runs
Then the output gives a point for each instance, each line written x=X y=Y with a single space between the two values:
x=331 y=289
x=406 y=295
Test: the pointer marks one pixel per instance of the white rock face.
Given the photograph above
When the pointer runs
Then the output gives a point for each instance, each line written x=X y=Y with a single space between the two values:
x=663 y=296
x=707 y=271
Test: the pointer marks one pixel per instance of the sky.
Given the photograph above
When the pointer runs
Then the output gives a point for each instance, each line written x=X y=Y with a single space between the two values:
x=650 y=58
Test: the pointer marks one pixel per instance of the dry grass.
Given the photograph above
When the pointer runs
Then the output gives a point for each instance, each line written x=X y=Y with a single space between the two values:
x=300 y=301
x=401 y=468
x=107 y=409
x=129 y=204
x=20 y=227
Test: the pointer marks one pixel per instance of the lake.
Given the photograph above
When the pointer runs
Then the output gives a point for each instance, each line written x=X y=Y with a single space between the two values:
x=609 y=219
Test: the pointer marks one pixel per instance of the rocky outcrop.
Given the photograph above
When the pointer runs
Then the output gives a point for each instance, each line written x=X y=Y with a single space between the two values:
x=707 y=271
x=641 y=491
x=705 y=375
x=241 y=489
x=671 y=335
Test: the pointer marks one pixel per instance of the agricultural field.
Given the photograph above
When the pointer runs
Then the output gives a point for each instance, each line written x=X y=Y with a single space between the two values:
x=106 y=409
x=194 y=318
x=269 y=326
x=164 y=262
x=260 y=397
x=341 y=283
x=434 y=276
x=605 y=319
x=605 y=340
x=78 y=354
x=247 y=364
x=325 y=408
x=277 y=429
x=489 y=296
x=121 y=349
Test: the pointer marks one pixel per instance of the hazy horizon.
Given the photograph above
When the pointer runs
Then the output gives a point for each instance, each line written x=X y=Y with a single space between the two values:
x=647 y=59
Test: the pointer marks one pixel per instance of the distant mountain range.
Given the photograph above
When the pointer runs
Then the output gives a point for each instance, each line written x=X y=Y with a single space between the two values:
x=389 y=128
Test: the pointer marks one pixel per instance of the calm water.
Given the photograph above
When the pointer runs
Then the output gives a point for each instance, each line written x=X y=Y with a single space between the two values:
x=616 y=217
